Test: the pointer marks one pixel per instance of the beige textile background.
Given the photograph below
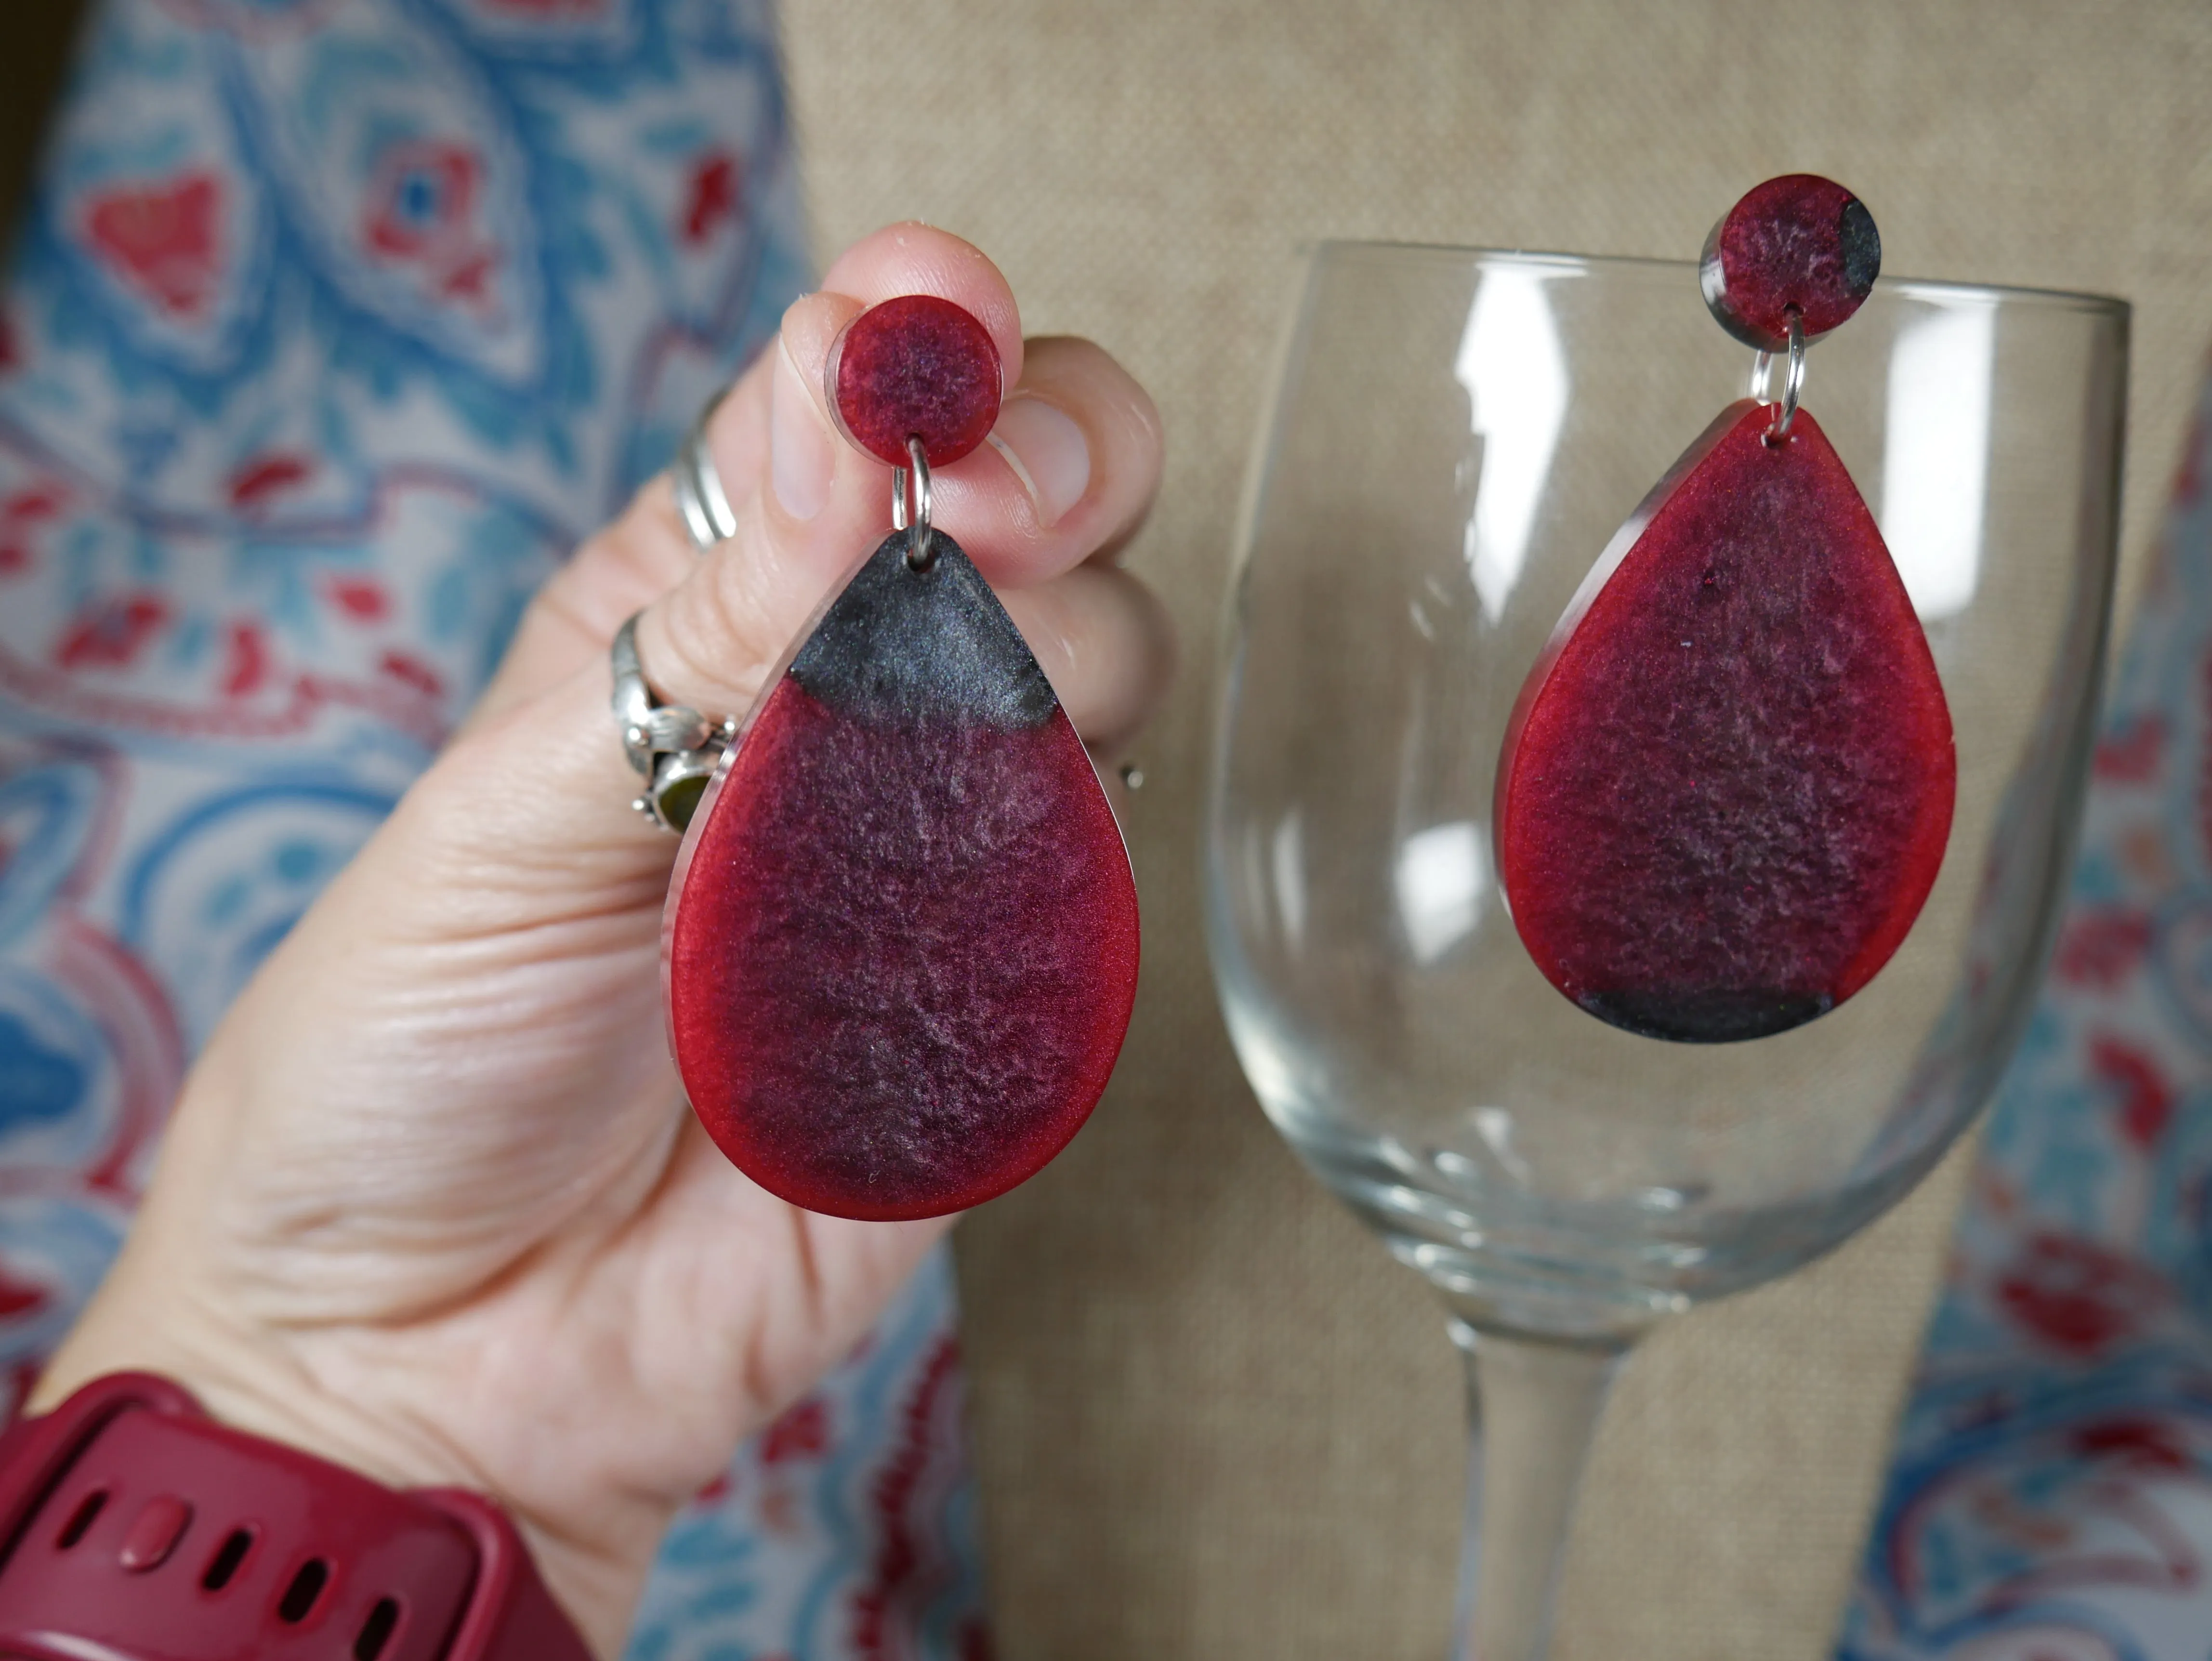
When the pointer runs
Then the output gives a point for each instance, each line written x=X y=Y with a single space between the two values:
x=1213 y=1419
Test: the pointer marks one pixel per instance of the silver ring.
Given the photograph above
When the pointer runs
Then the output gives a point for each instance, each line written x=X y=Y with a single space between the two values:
x=1793 y=383
x=671 y=746
x=700 y=498
x=921 y=546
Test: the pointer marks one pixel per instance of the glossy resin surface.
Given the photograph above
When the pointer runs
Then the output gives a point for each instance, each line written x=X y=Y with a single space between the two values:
x=902 y=948
x=1726 y=790
x=1798 y=243
x=915 y=367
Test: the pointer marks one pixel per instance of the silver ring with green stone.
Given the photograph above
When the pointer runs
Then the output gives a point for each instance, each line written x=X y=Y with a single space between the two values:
x=671 y=746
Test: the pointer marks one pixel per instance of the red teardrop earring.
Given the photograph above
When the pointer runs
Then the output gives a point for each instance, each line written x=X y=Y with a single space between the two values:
x=901 y=947
x=1726 y=789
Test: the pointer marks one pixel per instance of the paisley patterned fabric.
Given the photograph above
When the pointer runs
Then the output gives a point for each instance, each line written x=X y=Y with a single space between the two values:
x=2051 y=1497
x=334 y=324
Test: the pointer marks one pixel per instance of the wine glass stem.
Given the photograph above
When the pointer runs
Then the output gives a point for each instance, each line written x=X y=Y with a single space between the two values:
x=1532 y=1411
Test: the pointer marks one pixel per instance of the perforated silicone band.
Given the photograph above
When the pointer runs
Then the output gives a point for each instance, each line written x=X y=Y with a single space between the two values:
x=133 y=1526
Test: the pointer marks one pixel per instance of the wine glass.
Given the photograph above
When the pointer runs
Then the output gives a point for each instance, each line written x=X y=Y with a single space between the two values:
x=1455 y=436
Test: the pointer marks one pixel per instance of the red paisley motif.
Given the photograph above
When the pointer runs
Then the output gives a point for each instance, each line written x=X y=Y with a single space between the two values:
x=714 y=199
x=803 y=1430
x=2101 y=948
x=114 y=633
x=2077 y=1296
x=162 y=239
x=2131 y=754
x=2147 y=1097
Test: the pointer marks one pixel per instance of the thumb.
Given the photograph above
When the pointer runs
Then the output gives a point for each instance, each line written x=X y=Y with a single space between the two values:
x=809 y=506
x=541 y=762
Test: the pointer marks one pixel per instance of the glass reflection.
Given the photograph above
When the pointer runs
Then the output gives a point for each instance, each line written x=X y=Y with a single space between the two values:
x=1936 y=456
x=1439 y=878
x=1515 y=371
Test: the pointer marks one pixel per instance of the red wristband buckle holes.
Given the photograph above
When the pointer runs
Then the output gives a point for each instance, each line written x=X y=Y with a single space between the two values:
x=131 y=1550
x=132 y=1527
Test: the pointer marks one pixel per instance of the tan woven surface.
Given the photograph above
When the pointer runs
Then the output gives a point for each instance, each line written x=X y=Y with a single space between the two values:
x=1213 y=1420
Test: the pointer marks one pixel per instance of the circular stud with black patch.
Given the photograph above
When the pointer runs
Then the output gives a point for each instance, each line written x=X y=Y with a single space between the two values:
x=1798 y=243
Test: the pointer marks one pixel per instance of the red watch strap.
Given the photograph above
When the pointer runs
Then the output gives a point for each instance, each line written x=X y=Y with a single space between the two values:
x=134 y=1527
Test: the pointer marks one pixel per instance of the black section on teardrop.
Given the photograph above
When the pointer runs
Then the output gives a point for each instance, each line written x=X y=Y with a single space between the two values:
x=1861 y=249
x=1706 y=1016
x=903 y=645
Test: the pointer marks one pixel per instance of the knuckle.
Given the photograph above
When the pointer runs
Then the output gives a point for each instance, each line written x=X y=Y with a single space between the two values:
x=720 y=635
x=618 y=570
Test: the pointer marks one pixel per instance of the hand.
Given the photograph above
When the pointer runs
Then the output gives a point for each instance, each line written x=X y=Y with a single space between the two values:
x=431 y=1204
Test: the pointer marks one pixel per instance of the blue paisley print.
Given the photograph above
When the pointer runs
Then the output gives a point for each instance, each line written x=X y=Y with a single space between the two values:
x=333 y=325
x=2051 y=1497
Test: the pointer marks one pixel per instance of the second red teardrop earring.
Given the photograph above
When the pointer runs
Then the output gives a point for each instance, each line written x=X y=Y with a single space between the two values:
x=900 y=946
x=1726 y=789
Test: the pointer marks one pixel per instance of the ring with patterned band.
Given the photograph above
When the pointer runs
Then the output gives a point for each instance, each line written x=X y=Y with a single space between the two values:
x=700 y=500
x=671 y=746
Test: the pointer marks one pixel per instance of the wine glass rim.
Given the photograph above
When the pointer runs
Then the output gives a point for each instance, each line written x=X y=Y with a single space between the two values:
x=1903 y=286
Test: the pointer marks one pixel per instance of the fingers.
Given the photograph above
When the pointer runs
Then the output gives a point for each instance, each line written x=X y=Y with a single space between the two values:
x=1078 y=455
x=555 y=765
x=1068 y=473
x=917 y=259
x=1105 y=641
x=548 y=790
x=1067 y=476
x=1071 y=467
x=643 y=555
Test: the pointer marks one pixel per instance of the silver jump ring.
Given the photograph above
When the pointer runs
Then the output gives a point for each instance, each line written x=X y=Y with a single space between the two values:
x=671 y=746
x=1793 y=383
x=700 y=498
x=921 y=546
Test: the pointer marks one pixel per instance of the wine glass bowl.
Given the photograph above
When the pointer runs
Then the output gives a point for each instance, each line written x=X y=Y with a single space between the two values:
x=1454 y=436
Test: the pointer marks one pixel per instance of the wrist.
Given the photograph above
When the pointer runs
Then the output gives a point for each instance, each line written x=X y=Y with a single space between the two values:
x=112 y=1507
x=261 y=1387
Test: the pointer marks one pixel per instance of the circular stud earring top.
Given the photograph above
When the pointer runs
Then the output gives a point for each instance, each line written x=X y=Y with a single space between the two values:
x=1799 y=243
x=915 y=367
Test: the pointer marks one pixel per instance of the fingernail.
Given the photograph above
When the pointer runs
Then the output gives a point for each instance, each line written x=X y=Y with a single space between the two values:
x=801 y=462
x=1047 y=452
